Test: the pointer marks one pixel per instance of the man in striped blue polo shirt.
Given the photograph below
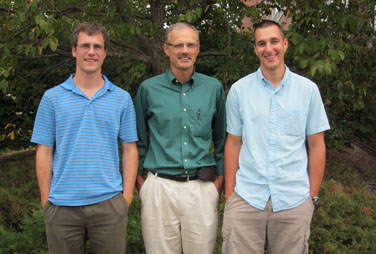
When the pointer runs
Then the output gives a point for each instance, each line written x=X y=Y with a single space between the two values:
x=77 y=128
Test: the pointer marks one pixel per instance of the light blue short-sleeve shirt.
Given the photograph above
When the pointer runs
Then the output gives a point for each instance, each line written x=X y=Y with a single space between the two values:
x=85 y=133
x=273 y=124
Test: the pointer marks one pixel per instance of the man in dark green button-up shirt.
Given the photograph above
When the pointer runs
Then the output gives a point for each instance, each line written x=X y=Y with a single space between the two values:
x=179 y=114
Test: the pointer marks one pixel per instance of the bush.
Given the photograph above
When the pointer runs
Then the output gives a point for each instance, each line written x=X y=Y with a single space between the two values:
x=30 y=239
x=345 y=220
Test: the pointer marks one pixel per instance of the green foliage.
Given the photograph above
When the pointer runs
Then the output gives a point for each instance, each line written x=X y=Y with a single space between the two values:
x=331 y=43
x=18 y=192
x=30 y=239
x=36 y=52
x=345 y=221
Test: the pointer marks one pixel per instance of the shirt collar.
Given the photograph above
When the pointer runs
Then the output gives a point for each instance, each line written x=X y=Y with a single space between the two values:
x=173 y=81
x=264 y=81
x=70 y=85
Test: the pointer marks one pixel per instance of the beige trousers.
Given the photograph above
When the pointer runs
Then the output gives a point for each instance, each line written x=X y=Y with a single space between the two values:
x=245 y=228
x=178 y=217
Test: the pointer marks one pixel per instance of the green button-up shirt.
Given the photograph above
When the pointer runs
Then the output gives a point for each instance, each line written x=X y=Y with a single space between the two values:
x=176 y=124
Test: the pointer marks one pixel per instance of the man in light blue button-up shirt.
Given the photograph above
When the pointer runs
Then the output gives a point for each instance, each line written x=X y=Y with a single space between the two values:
x=271 y=183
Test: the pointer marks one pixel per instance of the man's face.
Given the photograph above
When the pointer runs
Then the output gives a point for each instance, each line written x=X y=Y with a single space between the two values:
x=182 y=50
x=89 y=53
x=270 y=47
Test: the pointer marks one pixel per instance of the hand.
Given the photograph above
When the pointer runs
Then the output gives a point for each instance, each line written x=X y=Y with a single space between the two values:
x=139 y=182
x=218 y=183
x=129 y=200
x=228 y=195
x=44 y=202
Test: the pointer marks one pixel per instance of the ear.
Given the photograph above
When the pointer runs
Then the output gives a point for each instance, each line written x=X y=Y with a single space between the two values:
x=165 y=49
x=286 y=43
x=74 y=51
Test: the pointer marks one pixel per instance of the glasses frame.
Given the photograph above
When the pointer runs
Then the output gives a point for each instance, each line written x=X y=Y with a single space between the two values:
x=179 y=46
x=87 y=46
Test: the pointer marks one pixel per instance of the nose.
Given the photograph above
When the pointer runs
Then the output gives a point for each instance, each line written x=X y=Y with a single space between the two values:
x=268 y=46
x=185 y=48
x=91 y=49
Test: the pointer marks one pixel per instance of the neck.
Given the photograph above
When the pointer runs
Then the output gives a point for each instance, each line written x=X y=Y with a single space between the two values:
x=182 y=76
x=274 y=76
x=88 y=83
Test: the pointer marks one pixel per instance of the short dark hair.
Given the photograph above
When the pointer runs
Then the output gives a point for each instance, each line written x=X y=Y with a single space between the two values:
x=180 y=25
x=266 y=23
x=89 y=28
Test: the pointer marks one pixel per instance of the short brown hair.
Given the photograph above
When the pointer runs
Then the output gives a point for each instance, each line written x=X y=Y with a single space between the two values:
x=89 y=28
x=266 y=23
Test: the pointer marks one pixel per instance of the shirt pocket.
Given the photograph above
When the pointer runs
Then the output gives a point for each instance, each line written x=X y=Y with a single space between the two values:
x=294 y=123
x=200 y=122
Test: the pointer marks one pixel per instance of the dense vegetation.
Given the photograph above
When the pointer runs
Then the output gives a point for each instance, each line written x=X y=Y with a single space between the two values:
x=331 y=42
x=343 y=223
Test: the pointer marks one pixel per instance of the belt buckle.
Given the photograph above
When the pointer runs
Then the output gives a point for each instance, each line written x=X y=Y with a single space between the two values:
x=182 y=178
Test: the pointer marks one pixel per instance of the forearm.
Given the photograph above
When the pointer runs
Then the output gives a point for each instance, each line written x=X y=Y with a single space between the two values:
x=232 y=151
x=316 y=165
x=44 y=158
x=130 y=165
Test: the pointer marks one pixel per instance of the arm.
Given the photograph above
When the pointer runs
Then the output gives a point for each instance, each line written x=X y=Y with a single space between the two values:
x=316 y=161
x=219 y=137
x=232 y=151
x=130 y=164
x=44 y=158
x=142 y=130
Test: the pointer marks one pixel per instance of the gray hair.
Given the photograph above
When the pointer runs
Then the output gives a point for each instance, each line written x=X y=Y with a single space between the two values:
x=180 y=25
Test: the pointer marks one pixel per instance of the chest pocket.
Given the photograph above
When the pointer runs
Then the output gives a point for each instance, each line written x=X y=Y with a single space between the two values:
x=294 y=123
x=200 y=122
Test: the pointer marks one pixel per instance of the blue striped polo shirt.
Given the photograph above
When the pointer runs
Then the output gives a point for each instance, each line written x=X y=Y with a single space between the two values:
x=85 y=134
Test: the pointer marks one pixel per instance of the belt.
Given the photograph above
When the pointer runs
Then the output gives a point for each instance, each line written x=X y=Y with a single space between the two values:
x=179 y=178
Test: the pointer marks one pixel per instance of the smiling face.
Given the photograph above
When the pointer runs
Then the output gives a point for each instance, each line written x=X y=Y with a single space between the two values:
x=270 y=47
x=89 y=53
x=182 y=59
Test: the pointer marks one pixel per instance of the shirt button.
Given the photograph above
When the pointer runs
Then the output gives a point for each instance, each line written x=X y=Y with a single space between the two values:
x=183 y=94
x=185 y=160
x=185 y=143
x=185 y=109
x=185 y=127
x=186 y=172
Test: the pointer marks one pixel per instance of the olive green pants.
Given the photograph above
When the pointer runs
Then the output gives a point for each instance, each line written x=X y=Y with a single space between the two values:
x=104 y=224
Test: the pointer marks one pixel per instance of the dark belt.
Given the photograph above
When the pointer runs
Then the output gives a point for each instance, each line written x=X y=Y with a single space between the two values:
x=179 y=178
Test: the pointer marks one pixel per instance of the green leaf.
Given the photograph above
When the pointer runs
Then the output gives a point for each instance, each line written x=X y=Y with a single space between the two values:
x=198 y=12
x=53 y=43
x=4 y=85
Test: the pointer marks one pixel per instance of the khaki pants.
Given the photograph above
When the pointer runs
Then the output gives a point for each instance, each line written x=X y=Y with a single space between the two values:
x=104 y=224
x=245 y=228
x=178 y=216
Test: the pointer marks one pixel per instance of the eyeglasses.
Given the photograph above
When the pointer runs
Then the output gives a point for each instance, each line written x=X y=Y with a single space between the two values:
x=87 y=46
x=182 y=45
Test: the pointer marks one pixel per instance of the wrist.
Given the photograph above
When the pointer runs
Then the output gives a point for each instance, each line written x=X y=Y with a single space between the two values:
x=315 y=200
x=127 y=200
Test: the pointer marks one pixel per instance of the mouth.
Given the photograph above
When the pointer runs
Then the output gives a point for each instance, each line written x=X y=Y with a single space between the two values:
x=184 y=57
x=91 y=60
x=270 y=57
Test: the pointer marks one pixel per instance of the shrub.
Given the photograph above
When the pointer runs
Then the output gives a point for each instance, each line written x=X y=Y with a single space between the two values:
x=345 y=220
x=30 y=239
